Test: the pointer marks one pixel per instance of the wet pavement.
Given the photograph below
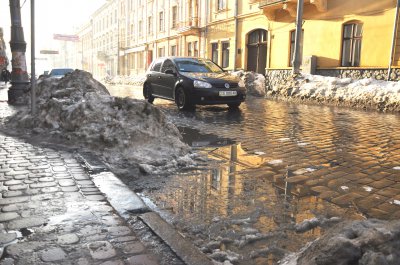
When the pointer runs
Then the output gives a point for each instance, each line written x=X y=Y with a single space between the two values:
x=273 y=165
x=55 y=211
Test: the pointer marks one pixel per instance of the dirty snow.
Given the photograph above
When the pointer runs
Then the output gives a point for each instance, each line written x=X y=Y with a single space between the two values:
x=367 y=242
x=254 y=83
x=127 y=133
x=364 y=93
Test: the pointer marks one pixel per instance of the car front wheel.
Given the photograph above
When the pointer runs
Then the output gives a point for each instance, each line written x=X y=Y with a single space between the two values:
x=147 y=93
x=182 y=100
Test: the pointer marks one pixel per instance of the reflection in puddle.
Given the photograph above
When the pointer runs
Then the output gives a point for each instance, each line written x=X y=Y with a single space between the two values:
x=244 y=205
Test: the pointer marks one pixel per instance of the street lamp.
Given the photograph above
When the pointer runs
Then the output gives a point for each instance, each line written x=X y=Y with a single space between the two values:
x=19 y=75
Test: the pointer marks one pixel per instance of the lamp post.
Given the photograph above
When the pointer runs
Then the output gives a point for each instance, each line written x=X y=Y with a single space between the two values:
x=33 y=55
x=19 y=75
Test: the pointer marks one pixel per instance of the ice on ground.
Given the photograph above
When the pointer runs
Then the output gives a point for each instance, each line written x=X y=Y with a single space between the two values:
x=367 y=188
x=125 y=132
x=275 y=162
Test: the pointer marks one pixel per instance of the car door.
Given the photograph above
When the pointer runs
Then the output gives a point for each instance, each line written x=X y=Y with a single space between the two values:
x=154 y=78
x=168 y=79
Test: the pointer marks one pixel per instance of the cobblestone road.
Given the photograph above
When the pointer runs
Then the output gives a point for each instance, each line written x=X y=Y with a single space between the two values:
x=278 y=164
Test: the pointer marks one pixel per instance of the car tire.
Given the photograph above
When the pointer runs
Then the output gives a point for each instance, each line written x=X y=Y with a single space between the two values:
x=147 y=93
x=182 y=100
x=234 y=105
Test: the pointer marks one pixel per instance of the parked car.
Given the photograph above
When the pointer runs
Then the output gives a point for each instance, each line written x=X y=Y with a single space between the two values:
x=60 y=72
x=192 y=81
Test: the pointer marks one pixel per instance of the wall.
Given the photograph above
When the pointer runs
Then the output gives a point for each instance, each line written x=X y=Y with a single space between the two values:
x=323 y=32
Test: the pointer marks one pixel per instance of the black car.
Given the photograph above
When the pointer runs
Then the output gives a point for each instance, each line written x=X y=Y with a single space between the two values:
x=192 y=81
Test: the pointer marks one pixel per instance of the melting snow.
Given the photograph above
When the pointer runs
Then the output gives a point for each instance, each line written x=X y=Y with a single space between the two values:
x=397 y=168
x=382 y=95
x=275 y=162
x=344 y=187
x=366 y=188
x=127 y=133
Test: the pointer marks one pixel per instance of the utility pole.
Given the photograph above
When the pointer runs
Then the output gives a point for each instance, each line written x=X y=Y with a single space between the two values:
x=33 y=60
x=299 y=24
x=19 y=74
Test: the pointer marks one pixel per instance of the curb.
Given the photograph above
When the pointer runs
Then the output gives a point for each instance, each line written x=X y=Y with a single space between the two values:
x=127 y=202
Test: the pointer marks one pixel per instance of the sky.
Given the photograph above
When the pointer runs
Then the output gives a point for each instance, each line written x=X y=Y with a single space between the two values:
x=51 y=17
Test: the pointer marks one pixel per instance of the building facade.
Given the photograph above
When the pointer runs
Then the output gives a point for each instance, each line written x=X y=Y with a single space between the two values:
x=356 y=38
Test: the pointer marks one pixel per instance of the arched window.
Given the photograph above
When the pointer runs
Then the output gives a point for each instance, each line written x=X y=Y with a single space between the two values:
x=351 y=43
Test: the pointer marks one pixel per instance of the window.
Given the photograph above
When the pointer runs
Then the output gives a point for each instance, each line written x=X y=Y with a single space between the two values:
x=174 y=16
x=292 y=45
x=189 y=51
x=225 y=54
x=173 y=50
x=214 y=52
x=167 y=65
x=221 y=4
x=150 y=25
x=196 y=49
x=156 y=66
x=161 y=52
x=161 y=21
x=140 y=29
x=351 y=46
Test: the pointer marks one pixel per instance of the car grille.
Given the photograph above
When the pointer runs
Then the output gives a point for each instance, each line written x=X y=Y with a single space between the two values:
x=222 y=85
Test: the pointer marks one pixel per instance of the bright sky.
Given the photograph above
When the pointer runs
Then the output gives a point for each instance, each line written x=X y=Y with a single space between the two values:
x=52 y=17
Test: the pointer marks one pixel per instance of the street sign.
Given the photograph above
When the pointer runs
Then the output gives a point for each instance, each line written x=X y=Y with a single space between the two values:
x=66 y=37
x=48 y=52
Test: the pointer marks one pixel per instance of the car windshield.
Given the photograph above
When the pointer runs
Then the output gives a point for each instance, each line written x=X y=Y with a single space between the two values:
x=197 y=65
x=60 y=71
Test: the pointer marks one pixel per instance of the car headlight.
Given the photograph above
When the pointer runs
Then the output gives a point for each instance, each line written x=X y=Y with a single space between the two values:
x=241 y=83
x=201 y=84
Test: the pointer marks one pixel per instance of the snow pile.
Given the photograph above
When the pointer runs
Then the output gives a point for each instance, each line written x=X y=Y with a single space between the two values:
x=128 y=133
x=364 y=93
x=254 y=82
x=134 y=80
x=368 y=242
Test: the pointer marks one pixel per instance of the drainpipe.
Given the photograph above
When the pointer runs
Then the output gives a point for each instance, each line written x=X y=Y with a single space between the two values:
x=393 y=40
x=299 y=23
x=236 y=33
x=205 y=37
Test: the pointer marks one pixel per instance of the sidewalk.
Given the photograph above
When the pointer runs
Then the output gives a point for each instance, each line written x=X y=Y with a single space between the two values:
x=53 y=213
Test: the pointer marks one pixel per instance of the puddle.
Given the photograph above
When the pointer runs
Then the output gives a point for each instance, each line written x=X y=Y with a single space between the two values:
x=242 y=205
x=196 y=139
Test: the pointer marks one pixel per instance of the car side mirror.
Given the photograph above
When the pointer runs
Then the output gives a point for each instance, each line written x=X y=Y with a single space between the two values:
x=170 y=72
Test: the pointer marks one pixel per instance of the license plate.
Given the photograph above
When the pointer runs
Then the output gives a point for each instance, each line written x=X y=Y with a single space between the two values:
x=227 y=93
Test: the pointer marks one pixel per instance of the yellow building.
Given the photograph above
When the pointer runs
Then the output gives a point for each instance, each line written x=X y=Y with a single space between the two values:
x=346 y=37
x=340 y=37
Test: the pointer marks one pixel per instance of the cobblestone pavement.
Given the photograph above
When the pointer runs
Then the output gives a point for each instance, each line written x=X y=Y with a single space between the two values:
x=279 y=164
x=53 y=213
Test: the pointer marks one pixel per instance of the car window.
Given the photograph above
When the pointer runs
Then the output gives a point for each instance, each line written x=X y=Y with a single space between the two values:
x=60 y=71
x=167 y=65
x=157 y=66
x=197 y=65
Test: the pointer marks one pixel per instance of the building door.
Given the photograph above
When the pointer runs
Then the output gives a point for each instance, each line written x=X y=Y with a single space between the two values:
x=257 y=51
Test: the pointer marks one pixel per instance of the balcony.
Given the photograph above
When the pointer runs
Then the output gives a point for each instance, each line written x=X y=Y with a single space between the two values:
x=271 y=6
x=189 y=27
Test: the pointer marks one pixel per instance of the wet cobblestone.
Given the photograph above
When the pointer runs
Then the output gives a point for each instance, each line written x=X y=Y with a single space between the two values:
x=277 y=164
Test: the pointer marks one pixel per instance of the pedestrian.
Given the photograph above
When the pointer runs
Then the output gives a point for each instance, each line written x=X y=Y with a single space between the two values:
x=5 y=75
